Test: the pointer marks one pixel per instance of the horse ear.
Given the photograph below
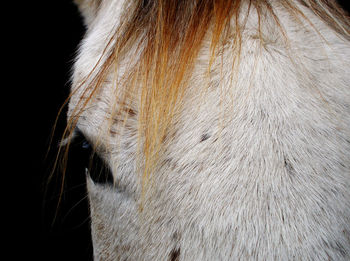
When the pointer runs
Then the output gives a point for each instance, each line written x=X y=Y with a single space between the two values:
x=88 y=9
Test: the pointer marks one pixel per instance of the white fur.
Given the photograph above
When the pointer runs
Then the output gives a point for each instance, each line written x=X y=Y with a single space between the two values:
x=258 y=170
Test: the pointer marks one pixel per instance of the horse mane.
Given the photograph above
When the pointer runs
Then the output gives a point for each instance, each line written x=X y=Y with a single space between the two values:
x=169 y=35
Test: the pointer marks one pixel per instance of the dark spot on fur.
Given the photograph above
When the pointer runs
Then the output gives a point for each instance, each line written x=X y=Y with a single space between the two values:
x=127 y=145
x=175 y=236
x=334 y=191
x=289 y=167
x=342 y=164
x=113 y=133
x=340 y=248
x=174 y=254
x=347 y=234
x=336 y=246
x=205 y=137
x=100 y=227
x=131 y=112
x=262 y=115
x=166 y=162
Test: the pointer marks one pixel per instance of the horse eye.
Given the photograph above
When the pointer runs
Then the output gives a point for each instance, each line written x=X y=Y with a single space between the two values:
x=81 y=145
x=88 y=159
x=86 y=145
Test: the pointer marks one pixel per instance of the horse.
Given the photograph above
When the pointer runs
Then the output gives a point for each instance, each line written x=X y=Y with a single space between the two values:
x=225 y=125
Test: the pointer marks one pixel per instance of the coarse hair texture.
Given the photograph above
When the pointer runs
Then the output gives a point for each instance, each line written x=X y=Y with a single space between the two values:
x=169 y=36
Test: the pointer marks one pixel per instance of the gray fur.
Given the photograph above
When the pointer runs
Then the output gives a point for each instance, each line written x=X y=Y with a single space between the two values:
x=259 y=170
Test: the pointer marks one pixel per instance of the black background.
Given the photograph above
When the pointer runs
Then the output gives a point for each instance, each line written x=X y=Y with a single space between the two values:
x=46 y=41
